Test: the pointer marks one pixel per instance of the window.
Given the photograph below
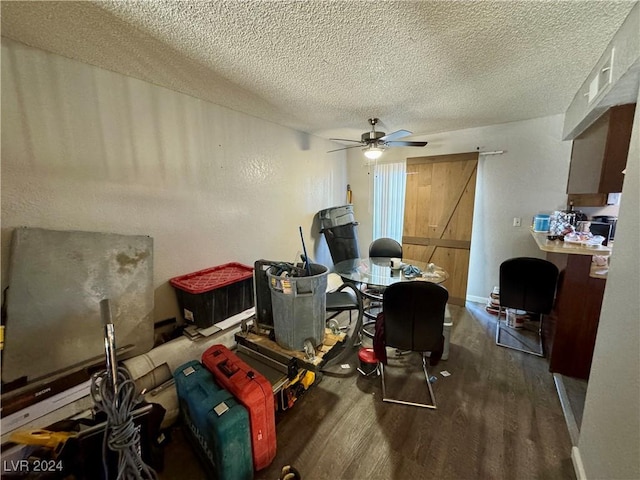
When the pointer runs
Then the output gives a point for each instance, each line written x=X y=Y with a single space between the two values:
x=389 y=183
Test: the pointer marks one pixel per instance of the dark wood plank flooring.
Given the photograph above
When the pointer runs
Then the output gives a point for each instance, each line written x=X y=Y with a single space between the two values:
x=498 y=417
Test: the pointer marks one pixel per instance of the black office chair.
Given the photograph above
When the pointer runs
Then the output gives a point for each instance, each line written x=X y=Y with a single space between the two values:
x=380 y=247
x=344 y=298
x=413 y=321
x=385 y=247
x=527 y=284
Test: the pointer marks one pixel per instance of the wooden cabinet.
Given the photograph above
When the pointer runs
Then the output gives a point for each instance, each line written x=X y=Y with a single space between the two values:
x=575 y=316
x=571 y=328
x=599 y=154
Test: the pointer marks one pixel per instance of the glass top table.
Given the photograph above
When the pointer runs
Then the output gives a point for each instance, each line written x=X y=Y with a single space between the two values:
x=377 y=271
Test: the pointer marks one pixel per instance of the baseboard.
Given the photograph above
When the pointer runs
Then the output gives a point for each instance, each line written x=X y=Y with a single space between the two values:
x=569 y=417
x=578 y=467
x=474 y=299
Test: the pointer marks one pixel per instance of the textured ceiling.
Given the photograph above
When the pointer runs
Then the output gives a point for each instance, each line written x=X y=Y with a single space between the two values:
x=324 y=67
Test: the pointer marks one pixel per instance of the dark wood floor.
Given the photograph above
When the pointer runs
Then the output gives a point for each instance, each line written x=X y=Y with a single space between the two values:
x=498 y=417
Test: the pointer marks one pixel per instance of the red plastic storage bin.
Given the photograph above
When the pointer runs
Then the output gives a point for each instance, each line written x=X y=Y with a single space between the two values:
x=209 y=296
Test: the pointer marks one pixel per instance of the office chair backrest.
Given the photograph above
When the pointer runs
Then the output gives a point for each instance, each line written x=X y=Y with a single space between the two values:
x=528 y=284
x=385 y=247
x=414 y=315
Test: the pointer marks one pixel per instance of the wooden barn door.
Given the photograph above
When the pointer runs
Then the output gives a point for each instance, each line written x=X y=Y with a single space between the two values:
x=438 y=215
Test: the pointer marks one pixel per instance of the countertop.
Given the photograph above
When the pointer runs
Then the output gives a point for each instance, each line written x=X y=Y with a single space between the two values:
x=557 y=246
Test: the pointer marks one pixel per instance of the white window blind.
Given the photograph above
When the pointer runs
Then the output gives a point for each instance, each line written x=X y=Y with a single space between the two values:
x=389 y=184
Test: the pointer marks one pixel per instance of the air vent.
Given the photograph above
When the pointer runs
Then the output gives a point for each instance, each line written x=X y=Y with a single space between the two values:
x=602 y=78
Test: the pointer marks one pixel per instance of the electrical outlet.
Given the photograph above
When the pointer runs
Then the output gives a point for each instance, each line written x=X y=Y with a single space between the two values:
x=517 y=221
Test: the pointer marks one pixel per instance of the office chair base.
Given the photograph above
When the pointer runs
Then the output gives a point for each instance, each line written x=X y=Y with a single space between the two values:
x=364 y=373
x=537 y=350
x=431 y=405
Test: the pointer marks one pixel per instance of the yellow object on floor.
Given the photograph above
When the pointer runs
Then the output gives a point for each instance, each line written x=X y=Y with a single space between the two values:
x=43 y=438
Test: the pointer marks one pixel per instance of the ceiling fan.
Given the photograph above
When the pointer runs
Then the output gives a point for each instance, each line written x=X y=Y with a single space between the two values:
x=375 y=142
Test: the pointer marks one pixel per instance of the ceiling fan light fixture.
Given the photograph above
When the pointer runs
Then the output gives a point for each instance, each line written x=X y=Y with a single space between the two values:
x=374 y=143
x=372 y=152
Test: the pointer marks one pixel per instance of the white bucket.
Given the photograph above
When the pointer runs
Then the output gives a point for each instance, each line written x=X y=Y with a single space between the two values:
x=515 y=318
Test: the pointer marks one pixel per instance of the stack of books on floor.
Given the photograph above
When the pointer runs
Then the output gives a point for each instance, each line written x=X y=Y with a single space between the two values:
x=515 y=318
x=493 y=302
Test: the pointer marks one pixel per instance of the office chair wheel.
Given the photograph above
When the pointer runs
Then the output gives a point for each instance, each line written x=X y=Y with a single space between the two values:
x=309 y=349
x=334 y=326
x=289 y=473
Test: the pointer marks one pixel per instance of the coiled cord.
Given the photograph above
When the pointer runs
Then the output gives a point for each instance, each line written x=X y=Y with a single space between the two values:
x=121 y=434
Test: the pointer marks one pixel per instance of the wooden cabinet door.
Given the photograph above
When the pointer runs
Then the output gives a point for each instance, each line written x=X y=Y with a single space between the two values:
x=587 y=155
x=617 y=149
x=599 y=154
x=438 y=215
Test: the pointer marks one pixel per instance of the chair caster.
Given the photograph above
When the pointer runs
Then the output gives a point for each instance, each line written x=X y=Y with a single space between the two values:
x=309 y=350
x=334 y=326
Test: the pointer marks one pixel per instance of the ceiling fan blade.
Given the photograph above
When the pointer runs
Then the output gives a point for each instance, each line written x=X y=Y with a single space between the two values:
x=406 y=144
x=344 y=140
x=344 y=148
x=394 y=135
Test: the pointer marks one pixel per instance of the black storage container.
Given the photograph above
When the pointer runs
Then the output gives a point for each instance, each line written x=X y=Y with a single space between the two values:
x=264 y=309
x=209 y=296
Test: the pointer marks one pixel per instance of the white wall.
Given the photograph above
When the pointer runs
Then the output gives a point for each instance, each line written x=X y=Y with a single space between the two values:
x=528 y=178
x=88 y=149
x=609 y=445
x=625 y=48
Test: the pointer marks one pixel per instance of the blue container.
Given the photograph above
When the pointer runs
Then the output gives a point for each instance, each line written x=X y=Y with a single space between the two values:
x=541 y=223
x=217 y=424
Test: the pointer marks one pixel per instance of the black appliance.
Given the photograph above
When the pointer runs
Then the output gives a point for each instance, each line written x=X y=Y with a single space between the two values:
x=601 y=228
x=575 y=216
x=611 y=220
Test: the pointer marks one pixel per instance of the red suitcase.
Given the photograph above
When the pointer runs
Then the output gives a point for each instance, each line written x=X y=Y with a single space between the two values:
x=252 y=390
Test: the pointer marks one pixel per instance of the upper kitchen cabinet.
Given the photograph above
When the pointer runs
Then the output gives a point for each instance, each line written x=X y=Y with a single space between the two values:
x=599 y=154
